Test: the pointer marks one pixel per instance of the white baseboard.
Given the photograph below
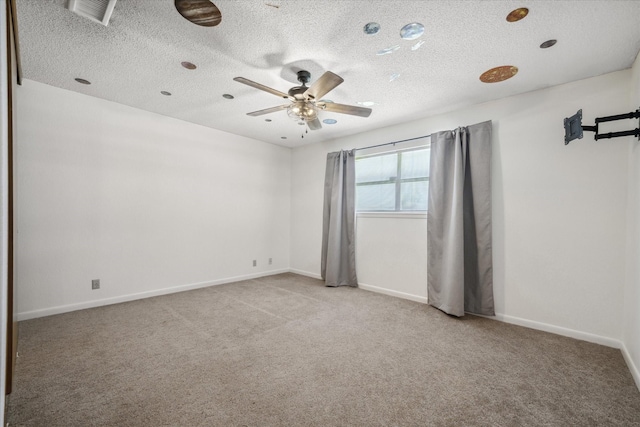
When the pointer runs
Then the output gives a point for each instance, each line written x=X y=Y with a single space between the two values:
x=558 y=330
x=305 y=273
x=635 y=372
x=393 y=293
x=26 y=315
x=371 y=288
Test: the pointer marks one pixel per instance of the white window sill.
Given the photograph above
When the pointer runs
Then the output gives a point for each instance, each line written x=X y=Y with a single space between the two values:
x=404 y=215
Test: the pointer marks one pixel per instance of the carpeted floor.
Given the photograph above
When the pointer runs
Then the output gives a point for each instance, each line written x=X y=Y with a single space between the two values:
x=286 y=351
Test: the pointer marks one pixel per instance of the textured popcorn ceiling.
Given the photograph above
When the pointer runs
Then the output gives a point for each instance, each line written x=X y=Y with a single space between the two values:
x=139 y=54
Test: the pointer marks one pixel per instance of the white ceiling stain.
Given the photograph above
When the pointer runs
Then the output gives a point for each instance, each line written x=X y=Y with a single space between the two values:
x=139 y=54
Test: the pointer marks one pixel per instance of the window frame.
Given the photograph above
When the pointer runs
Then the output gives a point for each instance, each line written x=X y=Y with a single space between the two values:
x=398 y=181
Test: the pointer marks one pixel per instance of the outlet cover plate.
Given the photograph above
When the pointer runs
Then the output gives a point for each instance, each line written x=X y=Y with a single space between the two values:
x=95 y=284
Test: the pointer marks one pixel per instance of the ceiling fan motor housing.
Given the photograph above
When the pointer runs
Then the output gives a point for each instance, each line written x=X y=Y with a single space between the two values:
x=297 y=90
x=303 y=77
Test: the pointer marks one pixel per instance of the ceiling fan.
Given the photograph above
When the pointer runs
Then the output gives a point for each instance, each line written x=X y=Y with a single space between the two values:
x=306 y=101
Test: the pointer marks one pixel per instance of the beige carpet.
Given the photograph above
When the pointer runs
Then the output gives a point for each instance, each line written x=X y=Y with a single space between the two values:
x=286 y=351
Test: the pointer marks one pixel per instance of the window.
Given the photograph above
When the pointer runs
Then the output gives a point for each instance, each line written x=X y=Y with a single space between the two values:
x=397 y=181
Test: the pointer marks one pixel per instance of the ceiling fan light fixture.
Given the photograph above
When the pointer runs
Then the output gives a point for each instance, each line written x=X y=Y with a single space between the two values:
x=301 y=110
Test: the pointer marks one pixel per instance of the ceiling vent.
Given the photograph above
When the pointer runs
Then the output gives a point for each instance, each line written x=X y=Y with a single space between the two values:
x=96 y=10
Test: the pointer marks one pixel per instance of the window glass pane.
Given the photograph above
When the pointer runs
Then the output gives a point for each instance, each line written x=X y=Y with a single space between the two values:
x=376 y=181
x=377 y=168
x=377 y=197
x=415 y=164
x=414 y=196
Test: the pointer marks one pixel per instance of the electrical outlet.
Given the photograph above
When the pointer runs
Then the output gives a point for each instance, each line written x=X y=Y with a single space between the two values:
x=270 y=261
x=255 y=262
x=95 y=284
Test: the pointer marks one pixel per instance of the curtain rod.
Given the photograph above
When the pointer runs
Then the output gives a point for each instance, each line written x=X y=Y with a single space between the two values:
x=394 y=142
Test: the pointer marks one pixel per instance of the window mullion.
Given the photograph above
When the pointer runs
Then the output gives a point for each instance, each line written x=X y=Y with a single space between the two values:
x=398 y=181
x=412 y=180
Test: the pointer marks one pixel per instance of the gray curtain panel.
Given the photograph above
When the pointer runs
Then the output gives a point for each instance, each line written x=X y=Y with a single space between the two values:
x=338 y=266
x=460 y=262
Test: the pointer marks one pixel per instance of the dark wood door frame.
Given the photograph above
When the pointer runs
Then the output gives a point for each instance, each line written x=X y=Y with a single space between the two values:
x=13 y=72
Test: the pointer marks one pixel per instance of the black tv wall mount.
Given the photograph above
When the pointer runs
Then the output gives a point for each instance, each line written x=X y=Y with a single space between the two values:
x=573 y=126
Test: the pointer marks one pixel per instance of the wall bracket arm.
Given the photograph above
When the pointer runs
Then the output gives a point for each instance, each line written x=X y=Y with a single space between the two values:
x=573 y=126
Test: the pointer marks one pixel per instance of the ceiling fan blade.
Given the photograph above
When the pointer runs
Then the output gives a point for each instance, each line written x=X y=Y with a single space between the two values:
x=267 y=110
x=314 y=124
x=326 y=83
x=346 y=109
x=262 y=87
